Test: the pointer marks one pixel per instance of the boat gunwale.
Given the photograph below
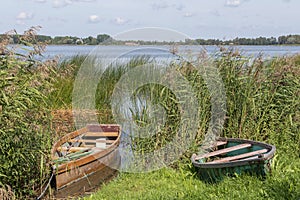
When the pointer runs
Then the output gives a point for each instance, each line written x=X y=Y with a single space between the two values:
x=266 y=156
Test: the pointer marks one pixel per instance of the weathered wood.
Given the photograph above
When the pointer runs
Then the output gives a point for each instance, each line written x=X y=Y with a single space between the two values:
x=103 y=128
x=250 y=158
x=72 y=149
x=91 y=141
x=86 y=184
x=77 y=172
x=106 y=134
x=86 y=159
x=223 y=151
x=71 y=171
x=245 y=155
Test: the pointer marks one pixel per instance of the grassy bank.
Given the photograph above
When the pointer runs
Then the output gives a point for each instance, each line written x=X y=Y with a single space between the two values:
x=262 y=104
x=182 y=184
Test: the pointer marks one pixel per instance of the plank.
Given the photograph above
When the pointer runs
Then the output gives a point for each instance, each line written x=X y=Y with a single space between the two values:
x=106 y=134
x=244 y=155
x=71 y=149
x=92 y=141
x=223 y=151
x=250 y=158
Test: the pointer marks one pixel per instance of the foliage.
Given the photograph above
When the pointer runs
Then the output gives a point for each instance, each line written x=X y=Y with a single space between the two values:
x=61 y=95
x=24 y=116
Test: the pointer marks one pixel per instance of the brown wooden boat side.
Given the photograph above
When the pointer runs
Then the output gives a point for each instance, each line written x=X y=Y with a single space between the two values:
x=103 y=128
x=86 y=184
x=86 y=159
x=244 y=155
x=67 y=177
x=223 y=151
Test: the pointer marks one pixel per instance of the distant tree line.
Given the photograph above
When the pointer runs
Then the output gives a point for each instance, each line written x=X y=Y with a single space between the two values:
x=282 y=40
x=107 y=39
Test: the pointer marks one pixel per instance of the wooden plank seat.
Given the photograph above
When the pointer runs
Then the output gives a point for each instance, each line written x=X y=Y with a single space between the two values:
x=224 y=151
x=72 y=149
x=237 y=157
x=251 y=158
x=99 y=134
x=91 y=141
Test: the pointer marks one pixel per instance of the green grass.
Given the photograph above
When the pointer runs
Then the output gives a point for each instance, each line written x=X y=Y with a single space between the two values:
x=168 y=183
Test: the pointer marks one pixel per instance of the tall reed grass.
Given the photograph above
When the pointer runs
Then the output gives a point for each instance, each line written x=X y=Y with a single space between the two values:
x=25 y=84
x=262 y=97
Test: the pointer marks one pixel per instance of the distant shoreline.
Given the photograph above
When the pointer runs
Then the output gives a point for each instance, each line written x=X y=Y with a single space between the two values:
x=104 y=39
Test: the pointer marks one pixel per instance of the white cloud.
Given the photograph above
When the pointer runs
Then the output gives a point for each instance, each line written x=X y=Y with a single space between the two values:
x=120 y=20
x=164 y=5
x=61 y=3
x=94 y=18
x=232 y=3
x=24 y=16
x=188 y=14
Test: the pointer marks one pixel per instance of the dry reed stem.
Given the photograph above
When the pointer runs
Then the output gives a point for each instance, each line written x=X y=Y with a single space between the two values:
x=6 y=193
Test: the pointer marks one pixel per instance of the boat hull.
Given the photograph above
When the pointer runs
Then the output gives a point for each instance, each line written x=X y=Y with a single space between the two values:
x=72 y=183
x=99 y=165
x=216 y=171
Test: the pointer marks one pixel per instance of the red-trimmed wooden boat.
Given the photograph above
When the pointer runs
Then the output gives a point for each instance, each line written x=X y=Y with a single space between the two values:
x=229 y=156
x=85 y=158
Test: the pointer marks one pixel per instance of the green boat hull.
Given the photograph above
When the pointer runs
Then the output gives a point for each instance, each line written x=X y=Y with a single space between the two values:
x=215 y=172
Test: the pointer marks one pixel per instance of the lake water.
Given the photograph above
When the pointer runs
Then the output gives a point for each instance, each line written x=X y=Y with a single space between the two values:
x=162 y=51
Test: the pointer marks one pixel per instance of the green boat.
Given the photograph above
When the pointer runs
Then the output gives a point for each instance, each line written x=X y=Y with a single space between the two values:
x=230 y=156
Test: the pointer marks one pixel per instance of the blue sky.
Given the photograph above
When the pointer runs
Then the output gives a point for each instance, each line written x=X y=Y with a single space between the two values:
x=222 y=19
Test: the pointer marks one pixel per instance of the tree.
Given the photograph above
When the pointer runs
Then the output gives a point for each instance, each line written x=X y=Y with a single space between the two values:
x=103 y=38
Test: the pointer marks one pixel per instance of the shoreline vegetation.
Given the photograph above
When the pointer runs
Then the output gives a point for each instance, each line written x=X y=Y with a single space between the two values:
x=105 y=39
x=263 y=104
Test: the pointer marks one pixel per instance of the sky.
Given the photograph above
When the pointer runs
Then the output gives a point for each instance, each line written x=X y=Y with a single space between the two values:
x=208 y=19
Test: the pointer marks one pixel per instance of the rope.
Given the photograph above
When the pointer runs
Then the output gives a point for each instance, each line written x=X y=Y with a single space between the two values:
x=47 y=186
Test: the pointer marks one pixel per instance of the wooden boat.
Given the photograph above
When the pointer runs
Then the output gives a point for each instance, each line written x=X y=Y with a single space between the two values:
x=228 y=156
x=84 y=159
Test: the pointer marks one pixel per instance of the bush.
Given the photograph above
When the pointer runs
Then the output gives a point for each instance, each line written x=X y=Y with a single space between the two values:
x=24 y=116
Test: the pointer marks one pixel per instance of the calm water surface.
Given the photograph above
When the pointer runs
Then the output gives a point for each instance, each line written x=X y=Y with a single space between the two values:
x=67 y=51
